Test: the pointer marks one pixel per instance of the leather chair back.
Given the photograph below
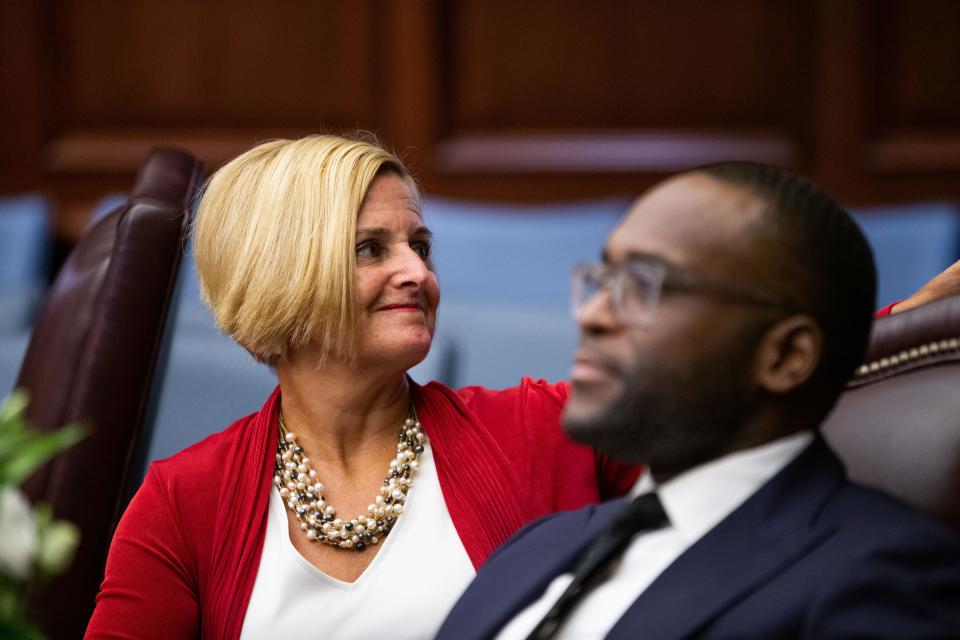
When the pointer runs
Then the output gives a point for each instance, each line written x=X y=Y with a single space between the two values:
x=91 y=359
x=897 y=426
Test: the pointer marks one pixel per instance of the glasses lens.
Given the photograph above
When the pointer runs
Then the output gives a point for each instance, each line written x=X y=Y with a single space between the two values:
x=634 y=290
x=638 y=292
x=587 y=282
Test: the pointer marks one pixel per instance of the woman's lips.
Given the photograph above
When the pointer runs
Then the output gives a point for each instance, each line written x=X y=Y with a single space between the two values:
x=401 y=307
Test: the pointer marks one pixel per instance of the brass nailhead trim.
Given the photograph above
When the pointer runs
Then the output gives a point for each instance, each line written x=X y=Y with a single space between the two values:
x=905 y=357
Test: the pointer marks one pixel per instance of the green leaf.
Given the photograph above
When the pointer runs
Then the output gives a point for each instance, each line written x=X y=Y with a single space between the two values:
x=11 y=441
x=11 y=598
x=18 y=629
x=38 y=450
x=13 y=407
x=13 y=622
x=42 y=515
x=58 y=541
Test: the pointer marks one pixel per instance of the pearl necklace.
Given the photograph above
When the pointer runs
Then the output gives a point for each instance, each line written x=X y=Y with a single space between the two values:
x=302 y=491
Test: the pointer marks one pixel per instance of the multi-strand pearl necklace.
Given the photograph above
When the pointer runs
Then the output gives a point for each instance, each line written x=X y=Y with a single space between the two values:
x=302 y=491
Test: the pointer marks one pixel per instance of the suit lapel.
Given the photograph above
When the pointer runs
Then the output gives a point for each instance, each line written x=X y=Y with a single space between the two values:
x=555 y=551
x=760 y=539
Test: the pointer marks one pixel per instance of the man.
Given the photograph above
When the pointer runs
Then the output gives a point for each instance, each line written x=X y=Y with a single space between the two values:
x=732 y=304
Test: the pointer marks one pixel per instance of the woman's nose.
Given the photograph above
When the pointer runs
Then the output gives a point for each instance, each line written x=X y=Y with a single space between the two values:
x=411 y=268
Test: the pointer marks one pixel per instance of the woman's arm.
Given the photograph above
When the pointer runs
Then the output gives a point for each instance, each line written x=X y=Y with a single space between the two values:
x=149 y=588
x=945 y=284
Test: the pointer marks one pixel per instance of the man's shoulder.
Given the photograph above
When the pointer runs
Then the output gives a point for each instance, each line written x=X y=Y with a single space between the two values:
x=876 y=519
x=553 y=533
x=815 y=491
x=588 y=517
x=888 y=569
x=523 y=567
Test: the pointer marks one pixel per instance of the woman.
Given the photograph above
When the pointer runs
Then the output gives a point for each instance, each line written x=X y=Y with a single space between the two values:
x=355 y=503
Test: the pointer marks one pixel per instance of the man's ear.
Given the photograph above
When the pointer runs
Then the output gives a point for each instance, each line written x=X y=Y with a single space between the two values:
x=788 y=354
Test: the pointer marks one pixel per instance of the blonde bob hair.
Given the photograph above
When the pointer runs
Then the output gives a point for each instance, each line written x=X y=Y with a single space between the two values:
x=274 y=242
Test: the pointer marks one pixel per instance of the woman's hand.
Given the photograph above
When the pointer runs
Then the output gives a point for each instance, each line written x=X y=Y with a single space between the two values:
x=945 y=284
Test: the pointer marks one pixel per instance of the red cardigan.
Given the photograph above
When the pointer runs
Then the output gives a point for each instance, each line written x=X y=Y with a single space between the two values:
x=185 y=555
x=886 y=311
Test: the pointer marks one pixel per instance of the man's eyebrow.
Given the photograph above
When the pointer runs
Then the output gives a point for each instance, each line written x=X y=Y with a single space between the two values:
x=643 y=256
x=639 y=256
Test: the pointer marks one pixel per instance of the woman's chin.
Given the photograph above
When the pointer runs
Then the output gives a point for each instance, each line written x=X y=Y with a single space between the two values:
x=402 y=355
x=415 y=354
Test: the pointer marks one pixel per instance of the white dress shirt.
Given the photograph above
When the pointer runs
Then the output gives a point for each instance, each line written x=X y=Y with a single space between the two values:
x=404 y=594
x=695 y=501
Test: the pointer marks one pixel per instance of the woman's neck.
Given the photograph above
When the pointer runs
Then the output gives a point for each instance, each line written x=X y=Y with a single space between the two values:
x=342 y=417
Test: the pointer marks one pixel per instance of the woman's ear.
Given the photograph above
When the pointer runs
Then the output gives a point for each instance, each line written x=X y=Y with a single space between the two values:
x=788 y=354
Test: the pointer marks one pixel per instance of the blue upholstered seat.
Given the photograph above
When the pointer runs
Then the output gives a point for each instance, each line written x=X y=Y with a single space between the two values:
x=911 y=243
x=24 y=259
x=24 y=262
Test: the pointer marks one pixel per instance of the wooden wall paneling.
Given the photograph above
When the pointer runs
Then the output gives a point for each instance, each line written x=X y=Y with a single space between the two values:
x=536 y=100
x=546 y=88
x=212 y=77
x=837 y=116
x=183 y=64
x=914 y=110
x=916 y=52
x=623 y=65
x=410 y=70
x=882 y=137
x=21 y=103
x=183 y=69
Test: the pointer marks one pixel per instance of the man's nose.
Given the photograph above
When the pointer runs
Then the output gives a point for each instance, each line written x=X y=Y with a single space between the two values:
x=596 y=313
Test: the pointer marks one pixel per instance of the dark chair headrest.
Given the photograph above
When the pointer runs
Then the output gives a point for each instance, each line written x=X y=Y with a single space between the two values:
x=921 y=337
x=91 y=359
x=897 y=426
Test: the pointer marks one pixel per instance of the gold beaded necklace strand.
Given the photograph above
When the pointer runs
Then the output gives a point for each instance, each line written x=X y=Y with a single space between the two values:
x=302 y=491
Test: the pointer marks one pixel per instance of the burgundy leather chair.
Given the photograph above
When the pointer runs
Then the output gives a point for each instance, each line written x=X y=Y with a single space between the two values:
x=91 y=359
x=897 y=426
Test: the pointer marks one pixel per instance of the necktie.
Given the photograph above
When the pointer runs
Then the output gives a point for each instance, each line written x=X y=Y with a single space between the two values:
x=644 y=513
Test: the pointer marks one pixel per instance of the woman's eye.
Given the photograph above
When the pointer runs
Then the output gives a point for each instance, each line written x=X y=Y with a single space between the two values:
x=369 y=250
x=422 y=249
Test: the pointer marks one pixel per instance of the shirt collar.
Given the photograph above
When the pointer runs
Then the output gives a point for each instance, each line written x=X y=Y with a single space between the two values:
x=698 y=499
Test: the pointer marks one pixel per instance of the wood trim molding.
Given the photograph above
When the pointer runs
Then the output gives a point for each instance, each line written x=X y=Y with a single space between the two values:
x=915 y=152
x=607 y=152
x=122 y=151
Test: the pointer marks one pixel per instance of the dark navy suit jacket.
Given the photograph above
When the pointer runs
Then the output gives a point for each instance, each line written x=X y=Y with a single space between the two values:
x=809 y=555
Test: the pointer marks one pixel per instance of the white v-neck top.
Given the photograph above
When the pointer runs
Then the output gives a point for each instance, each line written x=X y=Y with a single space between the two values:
x=404 y=594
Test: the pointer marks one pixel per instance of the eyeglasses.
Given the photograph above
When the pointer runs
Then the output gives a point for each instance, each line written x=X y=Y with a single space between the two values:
x=636 y=285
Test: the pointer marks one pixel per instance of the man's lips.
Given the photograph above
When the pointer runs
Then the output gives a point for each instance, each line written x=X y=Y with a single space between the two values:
x=592 y=368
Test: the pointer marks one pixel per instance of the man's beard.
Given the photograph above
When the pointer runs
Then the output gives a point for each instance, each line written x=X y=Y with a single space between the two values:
x=672 y=419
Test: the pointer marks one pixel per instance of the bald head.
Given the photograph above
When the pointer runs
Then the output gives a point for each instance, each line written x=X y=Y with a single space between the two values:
x=696 y=222
x=809 y=249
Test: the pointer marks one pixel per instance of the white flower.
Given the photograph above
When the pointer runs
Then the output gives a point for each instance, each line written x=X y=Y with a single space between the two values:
x=18 y=534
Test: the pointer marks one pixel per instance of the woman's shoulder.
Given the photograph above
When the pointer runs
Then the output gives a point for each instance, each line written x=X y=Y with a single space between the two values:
x=201 y=463
x=555 y=392
x=533 y=402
